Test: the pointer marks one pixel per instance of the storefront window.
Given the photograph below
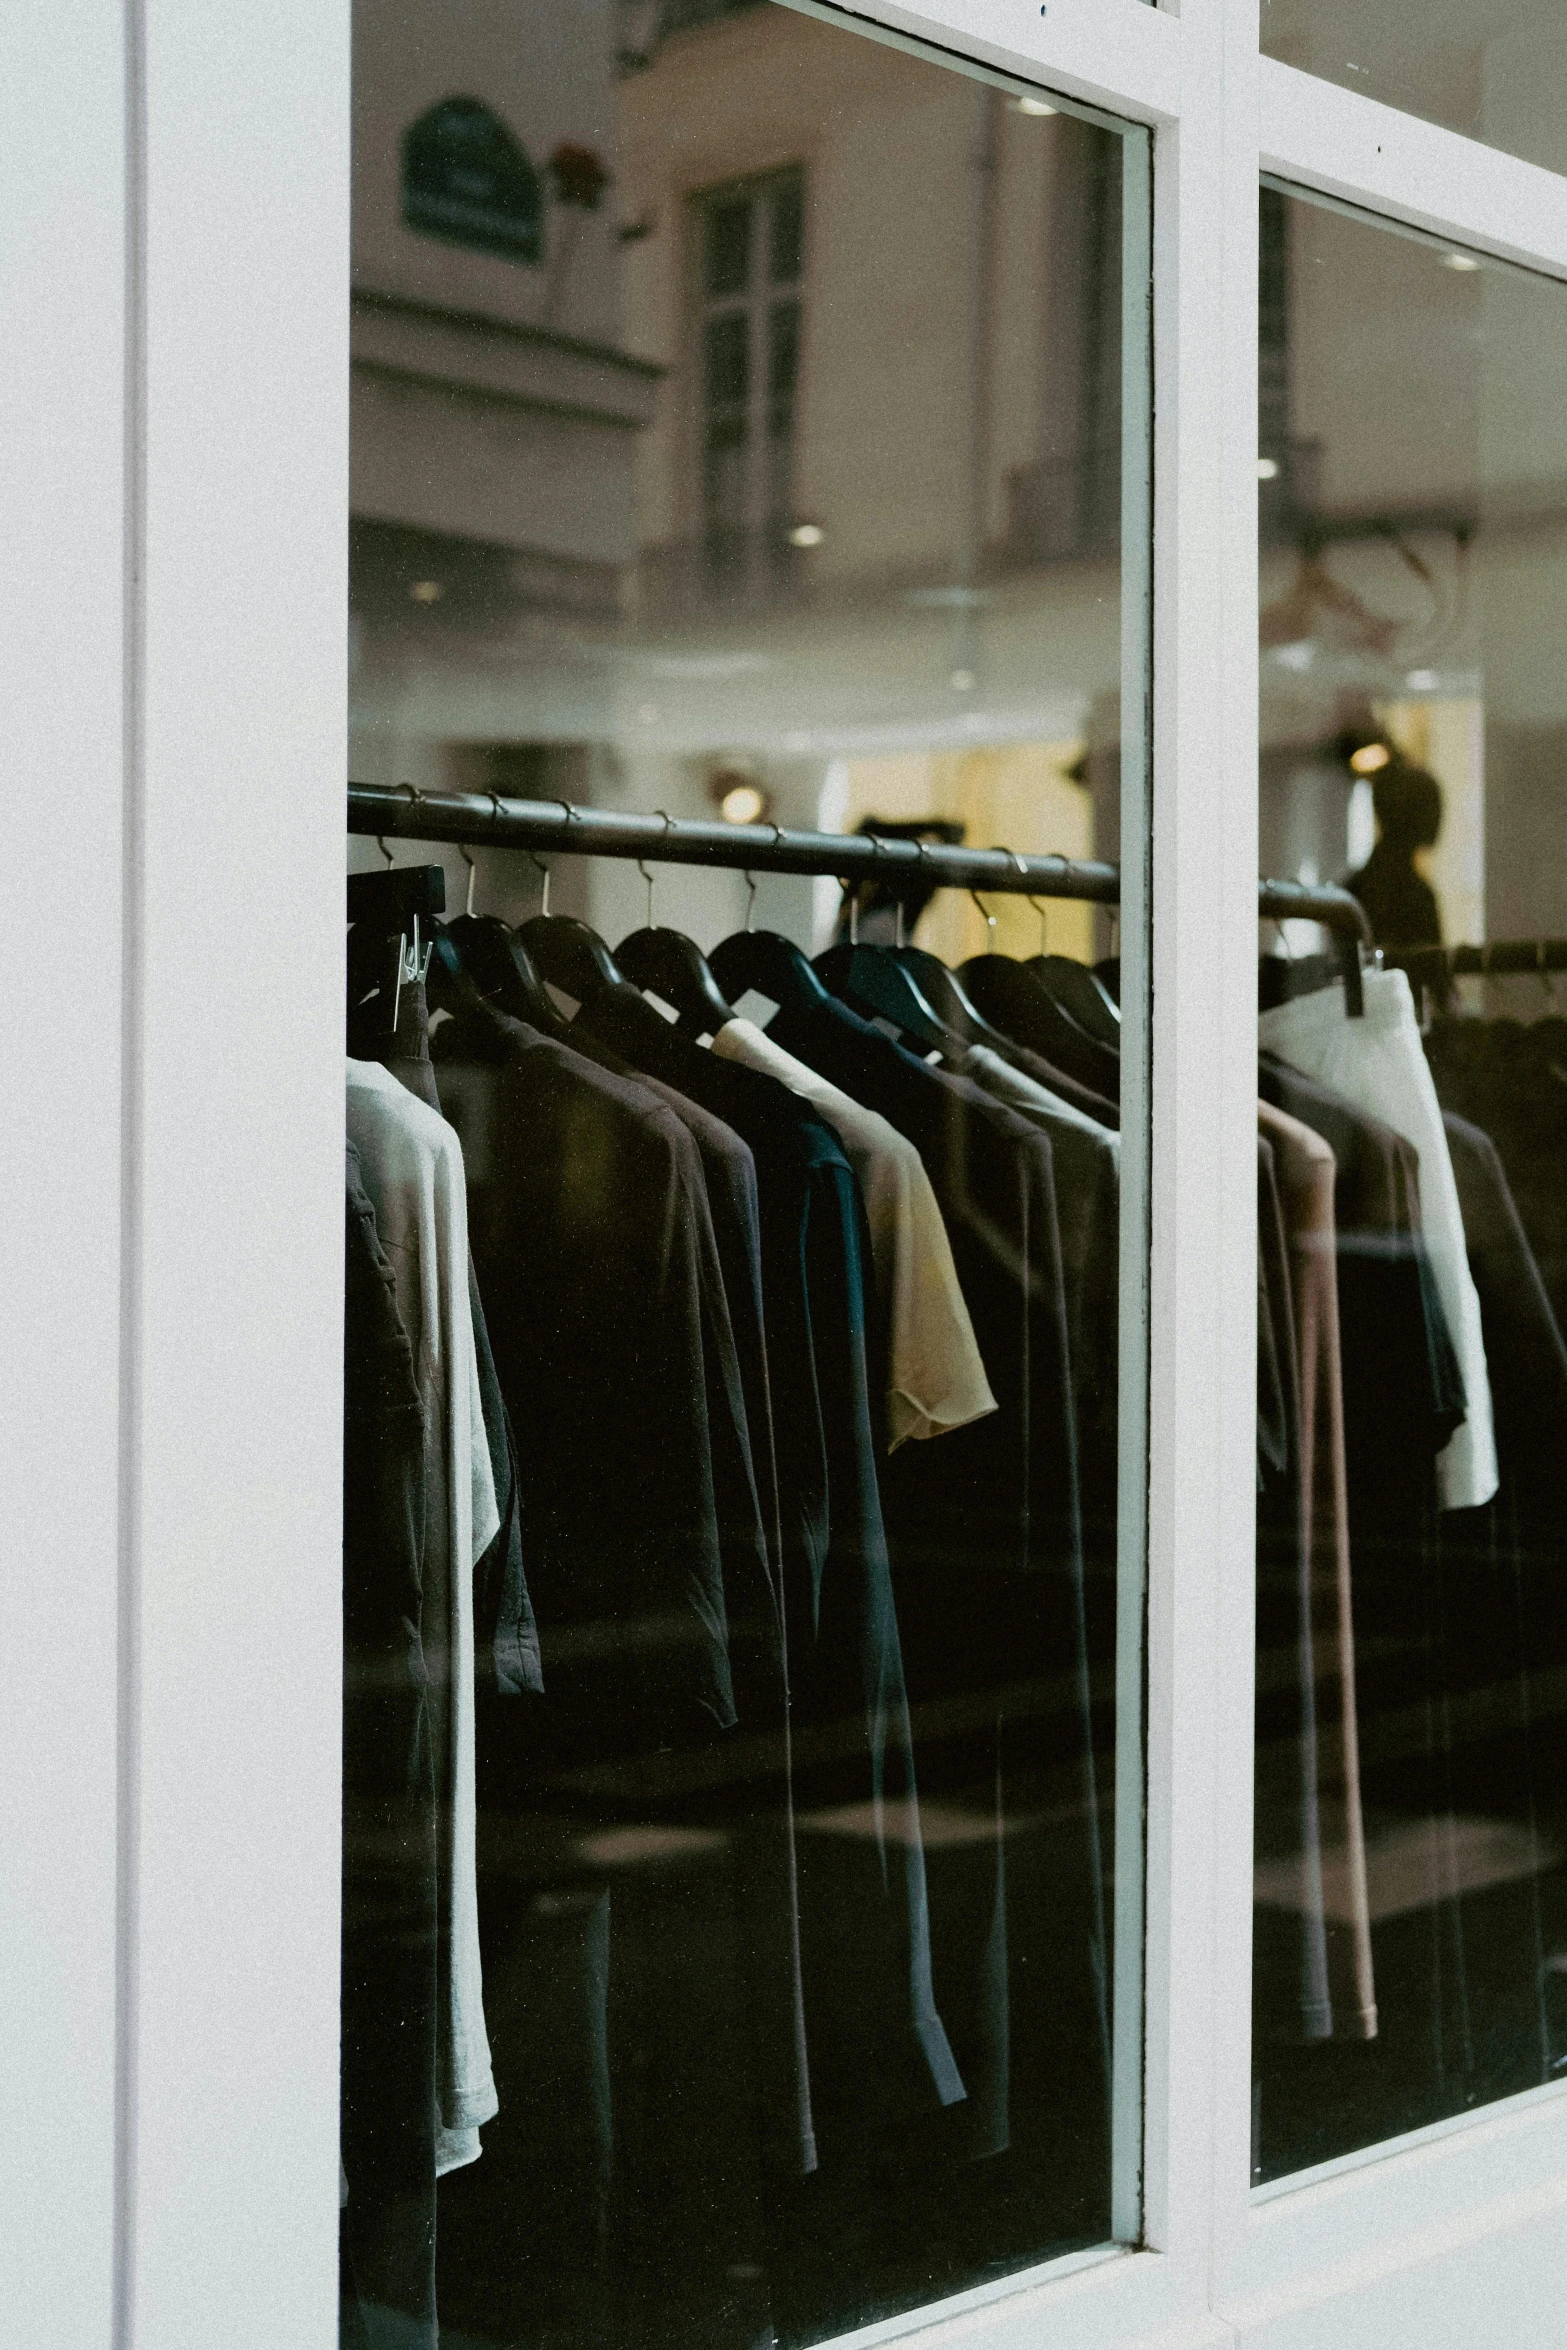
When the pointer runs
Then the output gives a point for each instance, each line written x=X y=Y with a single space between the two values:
x=1411 y=1826
x=743 y=1894
x=1497 y=72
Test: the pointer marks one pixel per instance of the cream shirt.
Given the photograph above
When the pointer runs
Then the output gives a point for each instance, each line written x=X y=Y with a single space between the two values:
x=413 y=1173
x=935 y=1378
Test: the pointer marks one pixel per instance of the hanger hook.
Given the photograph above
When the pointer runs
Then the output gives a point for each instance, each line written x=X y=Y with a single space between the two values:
x=380 y=838
x=412 y=963
x=536 y=861
x=750 y=903
x=878 y=851
x=538 y=864
x=1022 y=873
x=418 y=964
x=989 y=921
x=922 y=848
x=642 y=869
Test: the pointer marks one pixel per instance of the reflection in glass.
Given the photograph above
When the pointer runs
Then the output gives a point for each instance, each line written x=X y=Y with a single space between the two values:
x=785 y=485
x=1411 y=1827
x=1494 y=69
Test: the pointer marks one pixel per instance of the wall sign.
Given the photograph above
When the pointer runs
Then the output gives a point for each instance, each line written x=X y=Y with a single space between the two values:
x=468 y=180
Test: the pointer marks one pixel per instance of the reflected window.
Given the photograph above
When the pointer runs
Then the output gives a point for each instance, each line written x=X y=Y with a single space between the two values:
x=751 y=239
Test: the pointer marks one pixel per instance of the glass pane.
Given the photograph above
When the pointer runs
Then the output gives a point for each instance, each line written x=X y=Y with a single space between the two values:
x=728 y=353
x=1411 y=1893
x=788 y=229
x=1494 y=69
x=743 y=1872
x=728 y=245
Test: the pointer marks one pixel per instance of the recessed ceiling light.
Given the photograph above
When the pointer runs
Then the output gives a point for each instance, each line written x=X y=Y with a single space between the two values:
x=1370 y=758
x=427 y=591
x=807 y=534
x=1267 y=469
x=1460 y=261
x=742 y=805
x=1034 y=106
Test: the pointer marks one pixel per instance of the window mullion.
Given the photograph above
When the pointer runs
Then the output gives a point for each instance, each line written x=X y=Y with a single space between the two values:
x=1203 y=1335
x=1394 y=164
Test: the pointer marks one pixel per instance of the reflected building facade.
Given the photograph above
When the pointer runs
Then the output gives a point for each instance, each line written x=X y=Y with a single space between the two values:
x=790 y=459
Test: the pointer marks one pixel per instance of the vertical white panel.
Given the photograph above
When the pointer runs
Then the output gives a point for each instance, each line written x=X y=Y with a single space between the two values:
x=238 y=1216
x=1231 y=854
x=62 y=296
x=1202 y=1381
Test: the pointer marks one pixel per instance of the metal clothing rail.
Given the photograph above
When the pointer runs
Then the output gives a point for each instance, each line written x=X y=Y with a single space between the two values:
x=479 y=818
x=1506 y=956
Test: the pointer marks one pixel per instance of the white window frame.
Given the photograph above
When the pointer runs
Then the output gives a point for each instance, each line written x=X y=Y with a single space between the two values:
x=174 y=186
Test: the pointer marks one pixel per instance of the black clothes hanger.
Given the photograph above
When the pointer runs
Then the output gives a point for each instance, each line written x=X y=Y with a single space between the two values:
x=388 y=901
x=450 y=985
x=872 y=982
x=1080 y=996
x=772 y=966
x=393 y=917
x=668 y=964
x=949 y=999
x=504 y=973
x=570 y=955
x=386 y=1002
x=1015 y=999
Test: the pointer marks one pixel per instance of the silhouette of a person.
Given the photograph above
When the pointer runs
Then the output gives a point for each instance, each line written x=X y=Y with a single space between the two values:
x=1400 y=903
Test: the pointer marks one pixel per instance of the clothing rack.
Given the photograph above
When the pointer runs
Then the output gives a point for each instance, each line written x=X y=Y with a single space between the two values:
x=479 y=819
x=1504 y=957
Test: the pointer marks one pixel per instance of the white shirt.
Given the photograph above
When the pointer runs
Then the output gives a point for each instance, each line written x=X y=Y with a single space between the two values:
x=935 y=1377
x=413 y=1173
x=1378 y=1065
